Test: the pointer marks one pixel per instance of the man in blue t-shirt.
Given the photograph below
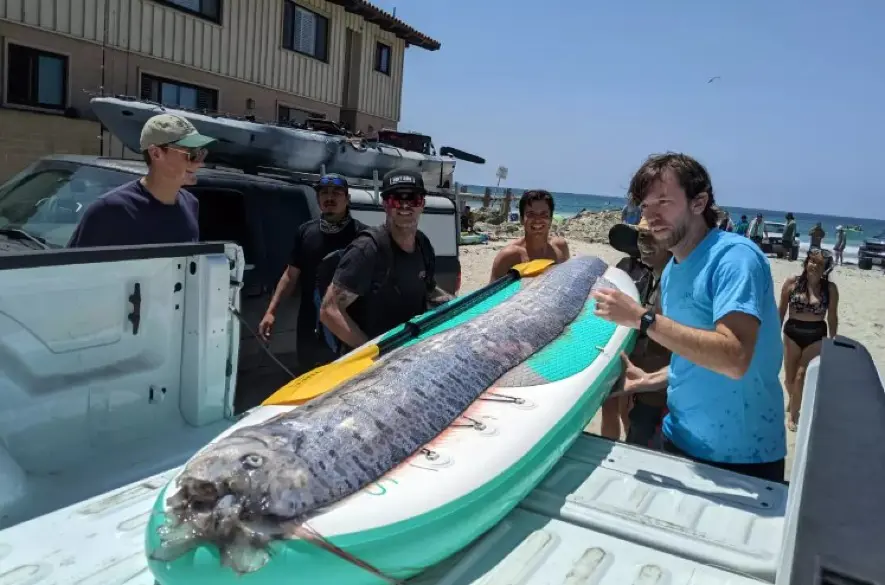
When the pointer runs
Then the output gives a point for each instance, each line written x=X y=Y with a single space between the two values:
x=719 y=319
x=153 y=209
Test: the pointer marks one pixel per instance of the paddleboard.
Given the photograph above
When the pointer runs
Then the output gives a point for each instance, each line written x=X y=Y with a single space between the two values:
x=466 y=239
x=460 y=484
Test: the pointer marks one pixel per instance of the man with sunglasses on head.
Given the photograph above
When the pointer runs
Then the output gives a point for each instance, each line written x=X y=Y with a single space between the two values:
x=386 y=275
x=154 y=209
x=314 y=242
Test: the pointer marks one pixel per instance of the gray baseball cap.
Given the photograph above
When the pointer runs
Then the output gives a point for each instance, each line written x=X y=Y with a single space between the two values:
x=166 y=129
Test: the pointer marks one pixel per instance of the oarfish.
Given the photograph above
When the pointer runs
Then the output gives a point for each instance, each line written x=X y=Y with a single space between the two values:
x=239 y=492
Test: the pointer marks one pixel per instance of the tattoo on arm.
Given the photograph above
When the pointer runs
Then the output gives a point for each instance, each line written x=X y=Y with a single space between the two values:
x=333 y=314
x=338 y=296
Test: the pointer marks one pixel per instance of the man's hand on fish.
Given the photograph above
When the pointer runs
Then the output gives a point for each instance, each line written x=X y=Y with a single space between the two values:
x=619 y=307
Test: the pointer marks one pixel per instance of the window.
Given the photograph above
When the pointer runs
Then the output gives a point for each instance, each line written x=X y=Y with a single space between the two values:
x=176 y=94
x=36 y=78
x=209 y=9
x=48 y=203
x=382 y=58
x=296 y=115
x=305 y=31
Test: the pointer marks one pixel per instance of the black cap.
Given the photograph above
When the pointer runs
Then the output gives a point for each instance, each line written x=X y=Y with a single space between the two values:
x=402 y=179
x=625 y=239
x=332 y=180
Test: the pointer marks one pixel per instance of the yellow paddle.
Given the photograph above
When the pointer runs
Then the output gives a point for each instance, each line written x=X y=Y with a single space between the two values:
x=325 y=378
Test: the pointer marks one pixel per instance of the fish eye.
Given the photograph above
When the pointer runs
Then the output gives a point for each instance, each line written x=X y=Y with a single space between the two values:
x=253 y=461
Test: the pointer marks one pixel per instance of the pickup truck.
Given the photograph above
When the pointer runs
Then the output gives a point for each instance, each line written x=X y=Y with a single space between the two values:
x=119 y=363
x=41 y=205
x=607 y=514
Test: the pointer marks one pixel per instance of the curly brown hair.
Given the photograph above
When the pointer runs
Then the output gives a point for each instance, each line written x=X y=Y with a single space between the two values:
x=692 y=176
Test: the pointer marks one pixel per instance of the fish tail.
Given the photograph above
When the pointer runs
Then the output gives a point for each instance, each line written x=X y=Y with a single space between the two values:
x=314 y=537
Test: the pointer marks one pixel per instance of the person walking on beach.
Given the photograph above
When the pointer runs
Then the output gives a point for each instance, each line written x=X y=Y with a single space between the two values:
x=155 y=209
x=386 y=275
x=756 y=230
x=839 y=248
x=726 y=224
x=630 y=213
x=817 y=235
x=742 y=225
x=314 y=241
x=720 y=320
x=789 y=243
x=812 y=303
x=536 y=214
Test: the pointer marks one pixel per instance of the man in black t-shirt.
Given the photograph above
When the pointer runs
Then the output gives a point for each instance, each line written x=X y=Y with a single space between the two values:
x=315 y=239
x=386 y=275
x=153 y=209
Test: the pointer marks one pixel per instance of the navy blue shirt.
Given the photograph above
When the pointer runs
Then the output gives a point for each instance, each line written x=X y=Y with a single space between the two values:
x=130 y=216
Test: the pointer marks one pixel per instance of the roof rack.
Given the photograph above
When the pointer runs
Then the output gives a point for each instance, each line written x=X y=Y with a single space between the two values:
x=311 y=179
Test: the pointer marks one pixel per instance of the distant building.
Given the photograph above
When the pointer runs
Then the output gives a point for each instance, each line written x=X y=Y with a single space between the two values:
x=274 y=59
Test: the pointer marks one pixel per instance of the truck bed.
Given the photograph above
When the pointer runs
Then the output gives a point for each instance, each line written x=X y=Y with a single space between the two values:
x=608 y=513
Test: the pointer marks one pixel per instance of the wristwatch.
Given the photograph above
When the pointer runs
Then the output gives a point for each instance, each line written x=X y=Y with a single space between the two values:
x=646 y=321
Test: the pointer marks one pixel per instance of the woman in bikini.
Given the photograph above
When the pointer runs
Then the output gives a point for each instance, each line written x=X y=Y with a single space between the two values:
x=812 y=303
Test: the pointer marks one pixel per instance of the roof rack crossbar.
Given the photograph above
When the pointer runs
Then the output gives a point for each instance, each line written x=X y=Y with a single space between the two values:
x=372 y=185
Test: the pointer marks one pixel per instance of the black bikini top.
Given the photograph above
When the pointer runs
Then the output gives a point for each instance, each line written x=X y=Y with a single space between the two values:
x=799 y=298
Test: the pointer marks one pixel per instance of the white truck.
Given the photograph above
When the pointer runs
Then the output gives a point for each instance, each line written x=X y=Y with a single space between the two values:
x=119 y=363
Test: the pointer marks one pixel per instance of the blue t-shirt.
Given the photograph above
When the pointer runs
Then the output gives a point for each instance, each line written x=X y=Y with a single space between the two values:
x=713 y=417
x=130 y=216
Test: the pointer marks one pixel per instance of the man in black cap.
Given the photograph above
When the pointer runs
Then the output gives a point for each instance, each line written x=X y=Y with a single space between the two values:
x=314 y=241
x=386 y=276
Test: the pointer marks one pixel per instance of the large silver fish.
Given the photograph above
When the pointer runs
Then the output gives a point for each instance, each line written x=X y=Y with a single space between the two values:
x=242 y=490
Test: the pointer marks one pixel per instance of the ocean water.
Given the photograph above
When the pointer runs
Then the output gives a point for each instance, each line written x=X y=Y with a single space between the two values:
x=568 y=204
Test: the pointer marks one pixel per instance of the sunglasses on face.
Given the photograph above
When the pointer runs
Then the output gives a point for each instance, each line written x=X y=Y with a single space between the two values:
x=193 y=154
x=404 y=199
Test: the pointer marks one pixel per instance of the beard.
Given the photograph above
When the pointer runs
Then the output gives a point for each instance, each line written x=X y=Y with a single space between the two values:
x=677 y=234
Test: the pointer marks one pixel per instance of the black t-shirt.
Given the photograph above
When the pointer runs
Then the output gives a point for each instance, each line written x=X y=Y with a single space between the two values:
x=130 y=216
x=311 y=245
x=381 y=305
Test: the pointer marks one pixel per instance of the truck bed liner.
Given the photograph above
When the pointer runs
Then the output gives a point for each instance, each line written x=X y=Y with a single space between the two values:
x=607 y=513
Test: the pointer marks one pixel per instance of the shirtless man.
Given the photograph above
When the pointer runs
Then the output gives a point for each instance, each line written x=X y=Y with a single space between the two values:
x=536 y=215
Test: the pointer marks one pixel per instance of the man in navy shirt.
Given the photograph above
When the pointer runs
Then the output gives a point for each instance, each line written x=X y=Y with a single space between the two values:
x=153 y=209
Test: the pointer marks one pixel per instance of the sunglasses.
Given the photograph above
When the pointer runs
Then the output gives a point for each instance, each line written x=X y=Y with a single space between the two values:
x=332 y=182
x=193 y=154
x=404 y=198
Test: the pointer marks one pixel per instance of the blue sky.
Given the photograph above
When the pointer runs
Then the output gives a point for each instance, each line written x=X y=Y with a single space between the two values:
x=572 y=95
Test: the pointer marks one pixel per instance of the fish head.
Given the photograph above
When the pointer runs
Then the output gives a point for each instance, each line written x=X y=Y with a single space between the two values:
x=235 y=494
x=265 y=477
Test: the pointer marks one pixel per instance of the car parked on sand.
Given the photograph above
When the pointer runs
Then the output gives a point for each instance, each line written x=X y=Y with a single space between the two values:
x=772 y=239
x=871 y=252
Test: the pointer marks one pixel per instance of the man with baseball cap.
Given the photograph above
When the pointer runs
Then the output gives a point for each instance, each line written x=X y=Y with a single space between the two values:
x=314 y=241
x=641 y=414
x=386 y=275
x=153 y=209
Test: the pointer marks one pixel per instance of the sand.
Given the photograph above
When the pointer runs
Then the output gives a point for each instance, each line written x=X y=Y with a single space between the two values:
x=861 y=309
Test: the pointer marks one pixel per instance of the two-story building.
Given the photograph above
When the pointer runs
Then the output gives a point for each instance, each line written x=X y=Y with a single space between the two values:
x=274 y=59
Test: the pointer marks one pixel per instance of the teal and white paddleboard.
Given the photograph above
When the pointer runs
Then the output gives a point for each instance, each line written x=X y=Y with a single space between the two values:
x=460 y=485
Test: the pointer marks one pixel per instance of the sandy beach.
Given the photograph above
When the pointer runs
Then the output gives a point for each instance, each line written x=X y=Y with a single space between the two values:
x=861 y=311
